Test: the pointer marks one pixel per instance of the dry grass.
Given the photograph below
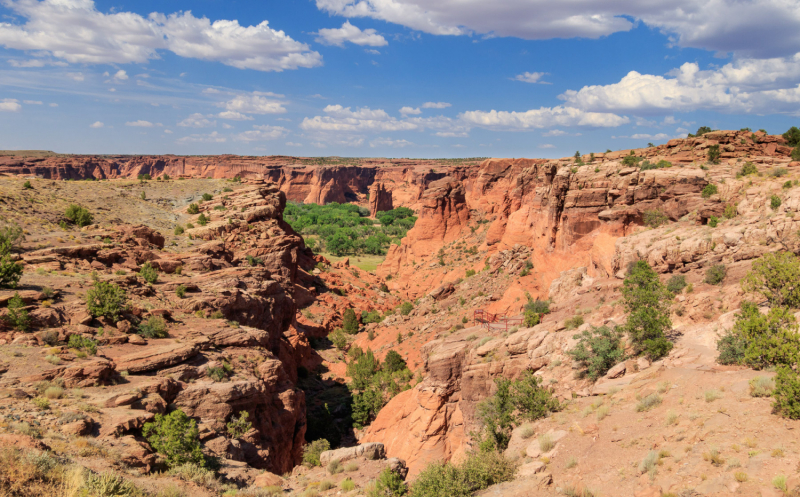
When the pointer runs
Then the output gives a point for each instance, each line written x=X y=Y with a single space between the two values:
x=712 y=395
x=526 y=432
x=546 y=443
x=762 y=386
x=649 y=402
x=740 y=476
x=351 y=466
x=714 y=457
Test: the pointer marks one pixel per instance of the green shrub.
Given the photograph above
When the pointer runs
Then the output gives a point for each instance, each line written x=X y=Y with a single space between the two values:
x=573 y=322
x=648 y=402
x=176 y=437
x=312 y=451
x=713 y=221
x=193 y=209
x=346 y=485
x=406 y=308
x=631 y=160
x=676 y=283
x=17 y=316
x=189 y=226
x=216 y=373
x=730 y=211
x=796 y=153
x=768 y=339
x=787 y=185
x=655 y=218
x=747 y=169
x=731 y=347
x=647 y=301
x=202 y=220
x=792 y=136
x=371 y=317
x=254 y=261
x=148 y=272
x=715 y=275
x=479 y=471
x=774 y=202
x=787 y=393
x=153 y=327
x=713 y=154
x=207 y=197
x=81 y=343
x=239 y=426
x=10 y=270
x=393 y=362
x=709 y=190
x=597 y=351
x=388 y=484
x=538 y=306
x=178 y=230
x=530 y=318
x=108 y=484
x=701 y=131
x=339 y=339
x=27 y=185
x=78 y=215
x=522 y=399
x=180 y=291
x=144 y=177
x=470 y=272
x=366 y=405
x=350 y=322
x=776 y=277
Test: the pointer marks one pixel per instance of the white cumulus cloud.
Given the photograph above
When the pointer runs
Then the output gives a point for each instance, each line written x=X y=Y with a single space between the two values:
x=531 y=77
x=77 y=32
x=410 y=111
x=436 y=105
x=352 y=34
x=97 y=125
x=9 y=105
x=388 y=142
x=543 y=117
x=255 y=103
x=760 y=28
x=262 y=133
x=140 y=124
x=197 y=120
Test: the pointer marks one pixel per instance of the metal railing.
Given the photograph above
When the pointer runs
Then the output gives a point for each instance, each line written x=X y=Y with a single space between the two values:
x=495 y=321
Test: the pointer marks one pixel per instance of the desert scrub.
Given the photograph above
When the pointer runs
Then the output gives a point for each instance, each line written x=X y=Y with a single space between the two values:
x=647 y=301
x=194 y=473
x=762 y=386
x=648 y=402
x=526 y=431
x=346 y=485
x=176 y=437
x=480 y=470
x=715 y=275
x=78 y=215
x=82 y=344
x=676 y=283
x=153 y=327
x=406 y=308
x=335 y=467
x=546 y=443
x=709 y=190
x=17 y=317
x=351 y=466
x=10 y=271
x=312 y=451
x=573 y=322
x=193 y=209
x=712 y=395
x=597 y=351
x=776 y=277
x=239 y=426
x=774 y=202
x=106 y=299
x=54 y=392
x=180 y=291
x=655 y=218
x=714 y=457
x=148 y=273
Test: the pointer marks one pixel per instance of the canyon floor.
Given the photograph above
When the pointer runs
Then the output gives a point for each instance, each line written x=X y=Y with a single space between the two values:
x=249 y=312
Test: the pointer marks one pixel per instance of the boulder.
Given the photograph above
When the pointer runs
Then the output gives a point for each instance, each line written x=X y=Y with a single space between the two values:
x=154 y=358
x=372 y=450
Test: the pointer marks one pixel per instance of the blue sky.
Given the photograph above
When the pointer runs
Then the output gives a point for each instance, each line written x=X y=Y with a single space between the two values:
x=396 y=78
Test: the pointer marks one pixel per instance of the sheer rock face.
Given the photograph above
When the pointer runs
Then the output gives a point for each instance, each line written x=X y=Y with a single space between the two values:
x=380 y=199
x=444 y=213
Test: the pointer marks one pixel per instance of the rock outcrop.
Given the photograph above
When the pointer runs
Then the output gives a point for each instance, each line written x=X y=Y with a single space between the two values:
x=380 y=199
